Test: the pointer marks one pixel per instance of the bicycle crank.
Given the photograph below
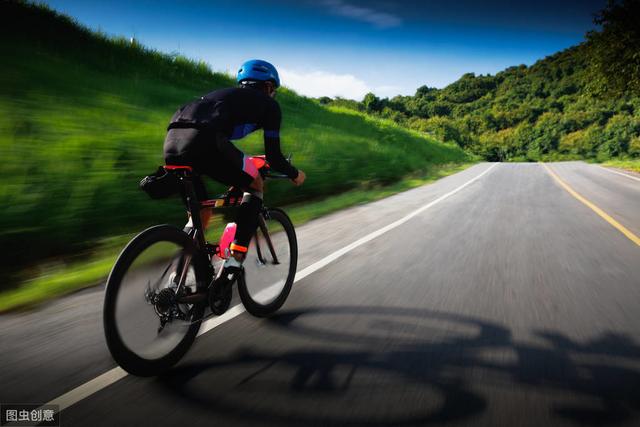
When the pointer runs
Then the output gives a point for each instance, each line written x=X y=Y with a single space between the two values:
x=220 y=297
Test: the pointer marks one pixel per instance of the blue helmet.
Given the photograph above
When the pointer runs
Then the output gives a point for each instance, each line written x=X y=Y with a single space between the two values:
x=258 y=70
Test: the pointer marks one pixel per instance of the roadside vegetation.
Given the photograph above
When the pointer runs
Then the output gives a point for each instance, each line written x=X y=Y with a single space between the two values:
x=580 y=103
x=82 y=120
x=629 y=164
x=62 y=276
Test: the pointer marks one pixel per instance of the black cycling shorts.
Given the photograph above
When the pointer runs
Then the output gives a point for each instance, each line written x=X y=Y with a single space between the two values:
x=210 y=154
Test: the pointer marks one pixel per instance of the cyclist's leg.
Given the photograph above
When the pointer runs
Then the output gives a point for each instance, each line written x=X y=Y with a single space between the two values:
x=247 y=219
x=233 y=167
x=185 y=147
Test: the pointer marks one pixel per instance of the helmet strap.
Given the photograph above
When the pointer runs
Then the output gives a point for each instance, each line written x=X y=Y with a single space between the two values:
x=254 y=84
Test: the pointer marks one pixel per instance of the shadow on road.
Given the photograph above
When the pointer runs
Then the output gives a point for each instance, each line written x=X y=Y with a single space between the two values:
x=411 y=366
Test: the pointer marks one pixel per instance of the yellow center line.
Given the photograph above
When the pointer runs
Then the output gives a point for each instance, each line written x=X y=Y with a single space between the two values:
x=621 y=228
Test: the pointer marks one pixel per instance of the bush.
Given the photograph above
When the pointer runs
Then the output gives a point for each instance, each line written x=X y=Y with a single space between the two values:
x=634 y=146
x=575 y=143
x=617 y=134
x=441 y=128
x=546 y=135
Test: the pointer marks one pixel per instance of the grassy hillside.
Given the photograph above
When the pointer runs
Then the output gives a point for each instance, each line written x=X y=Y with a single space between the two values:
x=83 y=117
x=568 y=105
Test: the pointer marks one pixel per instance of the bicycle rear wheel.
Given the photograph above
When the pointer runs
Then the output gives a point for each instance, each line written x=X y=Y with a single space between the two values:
x=270 y=267
x=146 y=328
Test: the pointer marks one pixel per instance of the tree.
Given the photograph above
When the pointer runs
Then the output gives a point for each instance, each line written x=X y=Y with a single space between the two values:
x=617 y=134
x=439 y=109
x=634 y=147
x=372 y=103
x=426 y=92
x=546 y=135
x=444 y=129
x=615 y=51
x=546 y=108
x=574 y=143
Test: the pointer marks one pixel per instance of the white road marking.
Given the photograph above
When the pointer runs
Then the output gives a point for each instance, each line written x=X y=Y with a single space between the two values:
x=89 y=388
x=619 y=173
x=208 y=325
x=110 y=377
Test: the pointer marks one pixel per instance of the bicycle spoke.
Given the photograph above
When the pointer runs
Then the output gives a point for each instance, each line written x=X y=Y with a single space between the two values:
x=150 y=320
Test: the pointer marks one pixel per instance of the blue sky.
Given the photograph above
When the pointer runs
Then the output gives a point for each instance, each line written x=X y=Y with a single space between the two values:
x=349 y=47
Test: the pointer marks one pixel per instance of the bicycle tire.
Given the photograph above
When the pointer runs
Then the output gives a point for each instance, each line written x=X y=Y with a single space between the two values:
x=264 y=310
x=122 y=354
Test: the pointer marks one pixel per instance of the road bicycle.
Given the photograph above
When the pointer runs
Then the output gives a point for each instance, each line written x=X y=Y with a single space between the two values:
x=165 y=283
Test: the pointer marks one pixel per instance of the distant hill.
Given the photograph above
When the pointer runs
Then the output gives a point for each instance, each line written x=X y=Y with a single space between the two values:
x=83 y=118
x=582 y=102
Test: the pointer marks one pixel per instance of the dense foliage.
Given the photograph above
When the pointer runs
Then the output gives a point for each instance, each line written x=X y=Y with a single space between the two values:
x=583 y=102
x=83 y=117
x=615 y=51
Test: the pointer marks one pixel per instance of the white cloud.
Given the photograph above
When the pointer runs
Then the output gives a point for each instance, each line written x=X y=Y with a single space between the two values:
x=377 y=19
x=322 y=83
x=387 y=91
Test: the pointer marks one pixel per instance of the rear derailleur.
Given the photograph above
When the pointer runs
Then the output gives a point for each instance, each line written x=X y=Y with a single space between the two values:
x=165 y=305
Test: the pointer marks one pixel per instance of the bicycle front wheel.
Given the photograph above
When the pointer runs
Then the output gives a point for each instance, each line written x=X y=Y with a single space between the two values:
x=270 y=266
x=147 y=327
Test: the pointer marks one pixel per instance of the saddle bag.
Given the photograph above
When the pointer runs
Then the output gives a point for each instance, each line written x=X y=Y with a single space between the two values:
x=160 y=185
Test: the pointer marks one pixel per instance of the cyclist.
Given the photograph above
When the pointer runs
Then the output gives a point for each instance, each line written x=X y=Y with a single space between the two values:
x=200 y=135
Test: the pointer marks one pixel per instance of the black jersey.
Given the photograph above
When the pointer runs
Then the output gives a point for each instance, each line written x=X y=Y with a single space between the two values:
x=235 y=113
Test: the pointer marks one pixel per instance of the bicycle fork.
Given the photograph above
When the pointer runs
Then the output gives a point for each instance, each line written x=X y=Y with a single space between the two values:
x=265 y=232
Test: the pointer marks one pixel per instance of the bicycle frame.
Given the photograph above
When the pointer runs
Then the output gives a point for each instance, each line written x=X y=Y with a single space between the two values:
x=194 y=206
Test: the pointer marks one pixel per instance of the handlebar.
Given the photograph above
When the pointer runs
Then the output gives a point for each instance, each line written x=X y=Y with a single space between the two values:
x=274 y=175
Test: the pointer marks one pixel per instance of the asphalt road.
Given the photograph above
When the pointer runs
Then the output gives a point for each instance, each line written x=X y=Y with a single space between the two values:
x=508 y=303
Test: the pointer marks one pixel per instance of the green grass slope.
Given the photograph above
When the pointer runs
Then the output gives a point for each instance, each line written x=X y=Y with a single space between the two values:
x=83 y=117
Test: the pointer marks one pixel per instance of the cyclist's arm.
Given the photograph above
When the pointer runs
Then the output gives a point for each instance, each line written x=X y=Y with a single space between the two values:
x=272 y=144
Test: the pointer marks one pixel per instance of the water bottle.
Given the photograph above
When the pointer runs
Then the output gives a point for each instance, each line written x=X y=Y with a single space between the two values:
x=226 y=239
